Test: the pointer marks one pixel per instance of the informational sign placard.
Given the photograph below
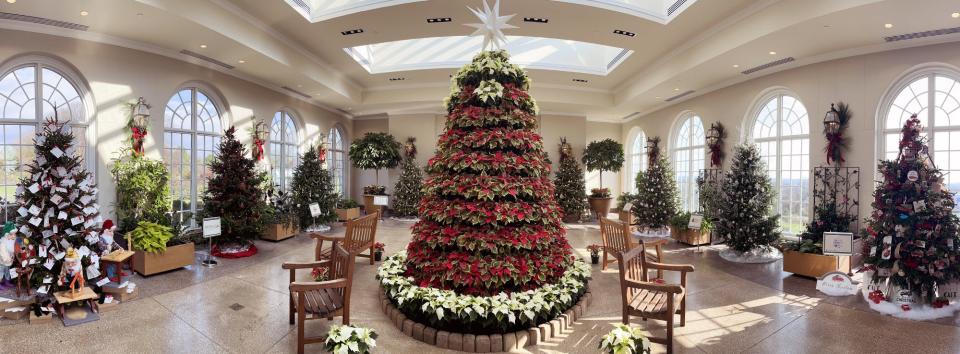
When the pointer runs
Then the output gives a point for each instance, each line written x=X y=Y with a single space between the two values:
x=314 y=210
x=838 y=243
x=211 y=227
x=381 y=200
x=696 y=221
x=837 y=284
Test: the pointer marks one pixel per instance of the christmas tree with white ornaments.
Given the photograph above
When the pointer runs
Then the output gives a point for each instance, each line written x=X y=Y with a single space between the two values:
x=746 y=219
x=657 y=197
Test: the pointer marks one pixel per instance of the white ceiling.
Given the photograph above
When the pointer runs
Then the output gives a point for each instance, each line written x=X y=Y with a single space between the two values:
x=695 y=48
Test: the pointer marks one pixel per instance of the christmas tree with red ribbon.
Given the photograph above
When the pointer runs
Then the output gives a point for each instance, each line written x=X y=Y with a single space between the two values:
x=489 y=221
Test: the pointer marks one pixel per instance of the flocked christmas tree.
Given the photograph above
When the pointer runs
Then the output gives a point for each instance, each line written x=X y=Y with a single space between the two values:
x=913 y=227
x=312 y=183
x=234 y=193
x=657 y=197
x=409 y=187
x=489 y=222
x=58 y=209
x=746 y=219
x=571 y=187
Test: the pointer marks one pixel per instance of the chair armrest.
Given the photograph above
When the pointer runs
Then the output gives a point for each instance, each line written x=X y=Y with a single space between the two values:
x=301 y=286
x=686 y=268
x=304 y=265
x=667 y=288
x=659 y=242
x=318 y=236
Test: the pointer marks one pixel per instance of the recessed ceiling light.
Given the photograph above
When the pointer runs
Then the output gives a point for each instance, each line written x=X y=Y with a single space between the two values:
x=624 y=33
x=11 y=1
x=353 y=31
x=676 y=89
x=736 y=65
x=203 y=46
x=773 y=53
x=658 y=97
x=241 y=61
x=887 y=25
x=580 y=80
x=439 y=20
x=536 y=19
x=397 y=78
x=955 y=15
x=84 y=13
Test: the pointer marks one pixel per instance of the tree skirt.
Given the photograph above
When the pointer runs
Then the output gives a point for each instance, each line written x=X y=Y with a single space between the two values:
x=233 y=251
x=405 y=219
x=318 y=228
x=765 y=254
x=916 y=312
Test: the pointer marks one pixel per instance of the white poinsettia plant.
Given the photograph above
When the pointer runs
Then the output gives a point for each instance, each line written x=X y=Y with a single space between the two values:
x=624 y=339
x=519 y=306
x=488 y=90
x=350 y=340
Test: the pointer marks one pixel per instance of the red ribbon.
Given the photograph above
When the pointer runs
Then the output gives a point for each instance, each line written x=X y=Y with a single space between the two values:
x=323 y=154
x=833 y=148
x=259 y=144
x=715 y=155
x=138 y=135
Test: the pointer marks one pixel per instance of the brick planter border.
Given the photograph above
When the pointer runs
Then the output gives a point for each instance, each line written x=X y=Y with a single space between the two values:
x=486 y=343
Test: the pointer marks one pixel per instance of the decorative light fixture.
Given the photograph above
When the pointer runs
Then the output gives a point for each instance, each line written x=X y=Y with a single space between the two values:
x=834 y=124
x=241 y=61
x=139 y=123
x=736 y=65
x=715 y=143
x=831 y=121
x=491 y=26
x=141 y=110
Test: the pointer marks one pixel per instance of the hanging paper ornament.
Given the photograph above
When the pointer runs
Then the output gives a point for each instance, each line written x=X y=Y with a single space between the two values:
x=913 y=176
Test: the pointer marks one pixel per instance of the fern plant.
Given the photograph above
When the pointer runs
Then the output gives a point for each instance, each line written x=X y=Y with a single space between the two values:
x=150 y=237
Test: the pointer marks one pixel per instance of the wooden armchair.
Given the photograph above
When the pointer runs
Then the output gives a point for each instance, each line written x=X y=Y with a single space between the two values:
x=617 y=238
x=324 y=299
x=654 y=300
x=360 y=236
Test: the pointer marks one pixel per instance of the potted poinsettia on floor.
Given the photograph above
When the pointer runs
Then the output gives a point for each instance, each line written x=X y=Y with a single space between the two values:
x=375 y=151
x=378 y=251
x=624 y=339
x=350 y=340
x=594 y=253
x=604 y=155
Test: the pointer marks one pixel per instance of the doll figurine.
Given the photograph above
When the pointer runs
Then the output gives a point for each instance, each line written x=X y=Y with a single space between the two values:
x=71 y=273
x=7 y=245
x=109 y=245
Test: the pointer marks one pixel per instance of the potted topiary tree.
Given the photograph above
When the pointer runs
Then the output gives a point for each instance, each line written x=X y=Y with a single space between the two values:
x=375 y=151
x=604 y=155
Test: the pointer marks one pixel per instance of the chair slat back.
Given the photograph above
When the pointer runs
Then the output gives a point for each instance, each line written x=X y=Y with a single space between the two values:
x=341 y=266
x=632 y=264
x=616 y=235
x=361 y=232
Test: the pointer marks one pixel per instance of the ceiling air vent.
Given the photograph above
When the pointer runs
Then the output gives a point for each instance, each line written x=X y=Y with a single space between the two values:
x=580 y=80
x=915 y=35
x=536 y=19
x=676 y=5
x=439 y=20
x=624 y=33
x=42 y=21
x=353 y=31
x=767 y=65
x=295 y=92
x=206 y=58
x=397 y=78
x=679 y=96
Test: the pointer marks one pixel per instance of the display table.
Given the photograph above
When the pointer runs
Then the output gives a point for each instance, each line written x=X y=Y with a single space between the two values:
x=79 y=315
x=117 y=259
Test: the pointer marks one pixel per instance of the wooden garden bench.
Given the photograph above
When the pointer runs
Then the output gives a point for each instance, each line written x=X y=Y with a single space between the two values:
x=324 y=299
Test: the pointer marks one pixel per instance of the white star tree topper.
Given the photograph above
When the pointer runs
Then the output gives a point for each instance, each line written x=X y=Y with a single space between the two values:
x=492 y=27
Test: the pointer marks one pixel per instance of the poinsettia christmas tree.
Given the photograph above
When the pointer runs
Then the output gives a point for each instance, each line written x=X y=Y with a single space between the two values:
x=913 y=227
x=489 y=222
x=234 y=193
x=58 y=207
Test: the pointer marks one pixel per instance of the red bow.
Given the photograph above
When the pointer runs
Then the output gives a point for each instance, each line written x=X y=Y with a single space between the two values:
x=259 y=144
x=138 y=135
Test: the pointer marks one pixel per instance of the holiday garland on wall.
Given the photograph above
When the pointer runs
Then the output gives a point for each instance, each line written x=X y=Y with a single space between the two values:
x=234 y=193
x=834 y=127
x=571 y=190
x=258 y=134
x=715 y=137
x=408 y=189
x=746 y=218
x=138 y=124
x=913 y=230
x=657 y=196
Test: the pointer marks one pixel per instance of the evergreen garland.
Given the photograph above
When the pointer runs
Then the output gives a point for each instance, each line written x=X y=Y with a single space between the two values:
x=657 y=196
x=312 y=183
x=234 y=193
x=571 y=193
x=746 y=219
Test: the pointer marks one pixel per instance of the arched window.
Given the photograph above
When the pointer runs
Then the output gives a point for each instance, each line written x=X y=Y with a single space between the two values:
x=688 y=152
x=938 y=88
x=337 y=160
x=638 y=158
x=192 y=130
x=284 y=156
x=781 y=130
x=30 y=92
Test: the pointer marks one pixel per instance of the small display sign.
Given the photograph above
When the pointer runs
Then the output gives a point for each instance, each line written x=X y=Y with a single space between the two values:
x=837 y=284
x=838 y=243
x=314 y=209
x=381 y=200
x=211 y=227
x=696 y=222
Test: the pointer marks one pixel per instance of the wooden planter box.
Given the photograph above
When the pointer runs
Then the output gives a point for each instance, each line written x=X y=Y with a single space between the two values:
x=368 y=204
x=691 y=237
x=175 y=257
x=347 y=214
x=279 y=232
x=813 y=265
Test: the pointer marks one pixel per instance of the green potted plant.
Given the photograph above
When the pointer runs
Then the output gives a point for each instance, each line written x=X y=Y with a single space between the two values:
x=624 y=339
x=282 y=222
x=158 y=249
x=347 y=209
x=594 y=253
x=680 y=231
x=375 y=151
x=604 y=155
x=350 y=340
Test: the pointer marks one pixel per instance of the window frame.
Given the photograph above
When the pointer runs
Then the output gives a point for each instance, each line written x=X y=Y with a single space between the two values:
x=691 y=147
x=332 y=152
x=285 y=147
x=639 y=137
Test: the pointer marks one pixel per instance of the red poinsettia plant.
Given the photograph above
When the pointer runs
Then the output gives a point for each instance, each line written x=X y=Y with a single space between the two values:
x=378 y=247
x=320 y=273
x=600 y=193
x=594 y=249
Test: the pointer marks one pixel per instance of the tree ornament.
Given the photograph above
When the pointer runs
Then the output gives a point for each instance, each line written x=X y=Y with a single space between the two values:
x=491 y=26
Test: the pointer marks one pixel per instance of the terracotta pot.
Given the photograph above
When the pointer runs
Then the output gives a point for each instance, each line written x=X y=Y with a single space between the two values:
x=811 y=264
x=600 y=206
x=279 y=232
x=174 y=257
x=347 y=214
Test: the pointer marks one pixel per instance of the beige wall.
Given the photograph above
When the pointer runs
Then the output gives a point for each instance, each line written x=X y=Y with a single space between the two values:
x=116 y=76
x=860 y=81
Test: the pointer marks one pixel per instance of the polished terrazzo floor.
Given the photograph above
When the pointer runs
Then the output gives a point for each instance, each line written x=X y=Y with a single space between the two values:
x=733 y=308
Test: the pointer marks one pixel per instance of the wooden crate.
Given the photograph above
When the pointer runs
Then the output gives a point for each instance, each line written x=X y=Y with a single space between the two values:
x=279 y=232
x=175 y=257
x=813 y=265
x=43 y=318
x=122 y=294
x=15 y=315
x=691 y=237
x=105 y=307
x=348 y=214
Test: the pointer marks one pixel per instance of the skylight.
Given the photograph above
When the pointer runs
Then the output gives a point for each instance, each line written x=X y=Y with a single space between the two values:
x=453 y=52
x=321 y=10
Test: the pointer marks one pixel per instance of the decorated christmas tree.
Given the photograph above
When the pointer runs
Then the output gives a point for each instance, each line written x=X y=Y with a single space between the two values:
x=234 y=193
x=657 y=197
x=312 y=183
x=58 y=212
x=408 y=189
x=489 y=221
x=746 y=219
x=913 y=227
x=571 y=187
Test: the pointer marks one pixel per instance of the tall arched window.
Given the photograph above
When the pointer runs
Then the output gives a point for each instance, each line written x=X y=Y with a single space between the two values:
x=337 y=160
x=638 y=158
x=192 y=130
x=284 y=156
x=781 y=131
x=688 y=152
x=29 y=93
x=938 y=88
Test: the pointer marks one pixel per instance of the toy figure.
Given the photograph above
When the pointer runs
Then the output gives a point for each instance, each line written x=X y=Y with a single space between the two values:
x=24 y=252
x=7 y=245
x=109 y=245
x=72 y=273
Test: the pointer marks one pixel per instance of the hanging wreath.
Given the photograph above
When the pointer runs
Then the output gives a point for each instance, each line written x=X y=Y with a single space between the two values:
x=834 y=126
x=715 y=143
x=258 y=132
